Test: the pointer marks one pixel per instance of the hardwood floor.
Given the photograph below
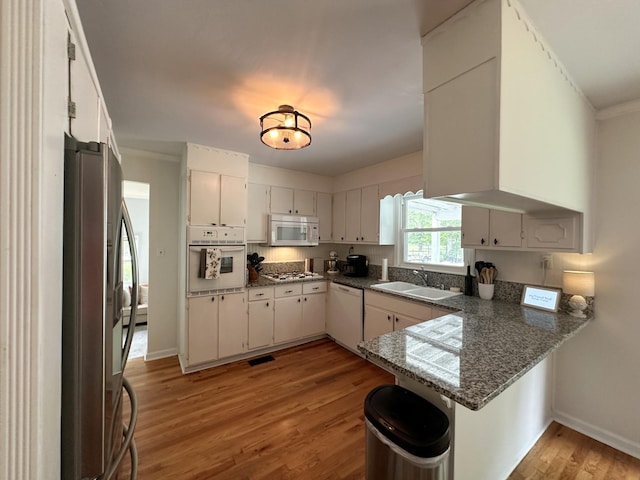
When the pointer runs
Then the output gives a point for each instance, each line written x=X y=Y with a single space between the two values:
x=298 y=417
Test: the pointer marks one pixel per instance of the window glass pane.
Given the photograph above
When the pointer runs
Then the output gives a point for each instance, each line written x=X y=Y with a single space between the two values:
x=432 y=245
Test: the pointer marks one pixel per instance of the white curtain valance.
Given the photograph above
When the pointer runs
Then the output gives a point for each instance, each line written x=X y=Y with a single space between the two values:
x=401 y=186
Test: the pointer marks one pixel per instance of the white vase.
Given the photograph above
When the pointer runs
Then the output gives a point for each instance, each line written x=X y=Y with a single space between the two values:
x=486 y=290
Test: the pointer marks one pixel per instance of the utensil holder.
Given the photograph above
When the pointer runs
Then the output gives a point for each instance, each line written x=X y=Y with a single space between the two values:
x=486 y=290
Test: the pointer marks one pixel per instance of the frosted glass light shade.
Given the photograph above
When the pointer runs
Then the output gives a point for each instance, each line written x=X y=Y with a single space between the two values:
x=285 y=129
x=578 y=283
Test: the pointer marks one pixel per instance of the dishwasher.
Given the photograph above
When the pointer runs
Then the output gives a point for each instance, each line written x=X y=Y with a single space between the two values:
x=345 y=315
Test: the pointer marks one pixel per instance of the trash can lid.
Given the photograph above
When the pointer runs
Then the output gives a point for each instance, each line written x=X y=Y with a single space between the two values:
x=408 y=420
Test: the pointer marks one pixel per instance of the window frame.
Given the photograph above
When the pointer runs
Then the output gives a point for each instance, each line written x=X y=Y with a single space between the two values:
x=468 y=254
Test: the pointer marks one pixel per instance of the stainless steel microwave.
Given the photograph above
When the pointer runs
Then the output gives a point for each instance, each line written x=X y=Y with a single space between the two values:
x=293 y=231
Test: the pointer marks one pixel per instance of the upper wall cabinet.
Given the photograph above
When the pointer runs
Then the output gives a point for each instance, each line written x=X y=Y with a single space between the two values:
x=216 y=199
x=258 y=196
x=504 y=124
x=487 y=229
x=324 y=214
x=356 y=216
x=289 y=201
x=216 y=186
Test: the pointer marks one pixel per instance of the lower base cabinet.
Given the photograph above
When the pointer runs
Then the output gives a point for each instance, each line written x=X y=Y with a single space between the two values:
x=384 y=314
x=217 y=327
x=314 y=300
x=260 y=317
x=287 y=324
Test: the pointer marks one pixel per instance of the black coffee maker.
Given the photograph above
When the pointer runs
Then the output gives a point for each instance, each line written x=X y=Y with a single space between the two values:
x=356 y=266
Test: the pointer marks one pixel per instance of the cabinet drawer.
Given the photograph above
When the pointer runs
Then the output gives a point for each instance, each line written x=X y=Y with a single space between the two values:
x=314 y=287
x=260 y=293
x=289 y=290
x=417 y=310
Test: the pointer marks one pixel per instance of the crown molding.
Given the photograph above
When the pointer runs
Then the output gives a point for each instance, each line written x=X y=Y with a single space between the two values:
x=618 y=110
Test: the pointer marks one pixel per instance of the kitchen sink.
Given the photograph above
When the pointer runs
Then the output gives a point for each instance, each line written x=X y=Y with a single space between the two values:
x=414 y=291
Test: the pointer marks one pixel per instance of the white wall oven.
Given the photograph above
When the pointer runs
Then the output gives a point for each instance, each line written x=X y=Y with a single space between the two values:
x=216 y=260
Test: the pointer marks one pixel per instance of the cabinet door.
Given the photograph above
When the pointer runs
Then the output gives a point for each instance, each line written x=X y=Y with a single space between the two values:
x=287 y=319
x=324 y=216
x=204 y=198
x=233 y=201
x=352 y=215
x=304 y=203
x=257 y=213
x=369 y=214
x=436 y=312
x=232 y=320
x=475 y=226
x=313 y=314
x=83 y=91
x=376 y=322
x=282 y=200
x=505 y=229
x=260 y=324
x=404 y=321
x=552 y=233
x=203 y=329
x=339 y=211
x=461 y=130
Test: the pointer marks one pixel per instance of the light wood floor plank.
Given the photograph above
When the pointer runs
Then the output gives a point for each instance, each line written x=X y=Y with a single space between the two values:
x=299 y=417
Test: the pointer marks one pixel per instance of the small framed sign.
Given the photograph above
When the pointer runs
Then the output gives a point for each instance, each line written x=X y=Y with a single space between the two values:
x=541 y=297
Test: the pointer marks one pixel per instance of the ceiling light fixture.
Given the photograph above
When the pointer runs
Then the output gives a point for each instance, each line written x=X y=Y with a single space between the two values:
x=285 y=129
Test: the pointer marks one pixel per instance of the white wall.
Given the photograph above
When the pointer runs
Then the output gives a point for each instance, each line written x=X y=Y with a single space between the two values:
x=162 y=173
x=598 y=386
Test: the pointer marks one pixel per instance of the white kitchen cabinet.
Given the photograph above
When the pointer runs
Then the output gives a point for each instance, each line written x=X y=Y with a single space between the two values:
x=552 y=233
x=84 y=94
x=384 y=313
x=352 y=215
x=483 y=227
x=258 y=212
x=504 y=125
x=369 y=214
x=377 y=321
x=344 y=315
x=325 y=217
x=232 y=324
x=287 y=313
x=289 y=201
x=357 y=214
x=339 y=211
x=202 y=329
x=216 y=199
x=261 y=314
x=314 y=301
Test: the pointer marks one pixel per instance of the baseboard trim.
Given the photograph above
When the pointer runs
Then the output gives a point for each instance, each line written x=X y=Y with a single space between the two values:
x=169 y=352
x=608 y=438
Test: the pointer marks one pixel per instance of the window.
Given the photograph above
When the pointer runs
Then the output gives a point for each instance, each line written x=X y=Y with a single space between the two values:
x=431 y=232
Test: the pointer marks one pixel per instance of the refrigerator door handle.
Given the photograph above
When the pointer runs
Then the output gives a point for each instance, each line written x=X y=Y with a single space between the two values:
x=134 y=278
x=128 y=443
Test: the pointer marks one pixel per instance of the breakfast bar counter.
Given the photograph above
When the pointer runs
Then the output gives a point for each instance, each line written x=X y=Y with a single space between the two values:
x=472 y=355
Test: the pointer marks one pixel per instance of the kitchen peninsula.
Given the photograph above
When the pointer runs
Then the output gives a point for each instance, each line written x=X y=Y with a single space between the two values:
x=488 y=366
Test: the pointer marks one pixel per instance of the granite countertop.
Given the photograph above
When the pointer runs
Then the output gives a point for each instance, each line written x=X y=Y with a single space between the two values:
x=473 y=355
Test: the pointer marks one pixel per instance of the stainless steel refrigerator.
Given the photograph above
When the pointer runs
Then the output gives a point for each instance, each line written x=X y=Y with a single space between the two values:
x=95 y=436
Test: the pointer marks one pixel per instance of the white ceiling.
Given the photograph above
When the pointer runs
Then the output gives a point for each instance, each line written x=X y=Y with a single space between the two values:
x=204 y=71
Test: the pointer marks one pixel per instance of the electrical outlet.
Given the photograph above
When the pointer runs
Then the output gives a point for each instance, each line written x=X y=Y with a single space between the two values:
x=546 y=261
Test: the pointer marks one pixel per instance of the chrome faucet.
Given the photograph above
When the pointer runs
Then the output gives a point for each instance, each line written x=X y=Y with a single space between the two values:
x=421 y=274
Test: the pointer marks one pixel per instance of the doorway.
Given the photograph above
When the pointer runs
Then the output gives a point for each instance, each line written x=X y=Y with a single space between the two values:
x=136 y=196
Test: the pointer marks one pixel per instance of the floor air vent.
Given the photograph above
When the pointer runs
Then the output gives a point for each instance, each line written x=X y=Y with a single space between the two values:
x=259 y=360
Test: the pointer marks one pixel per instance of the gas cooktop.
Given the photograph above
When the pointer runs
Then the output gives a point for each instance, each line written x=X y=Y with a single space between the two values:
x=292 y=276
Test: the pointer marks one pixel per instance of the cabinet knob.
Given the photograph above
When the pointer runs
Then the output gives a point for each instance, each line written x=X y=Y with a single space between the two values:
x=482 y=241
x=389 y=317
x=213 y=299
x=495 y=241
x=296 y=211
x=289 y=211
x=298 y=300
x=305 y=299
x=267 y=304
x=222 y=297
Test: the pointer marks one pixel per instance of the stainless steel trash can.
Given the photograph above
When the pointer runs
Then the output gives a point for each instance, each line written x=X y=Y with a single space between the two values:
x=407 y=437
